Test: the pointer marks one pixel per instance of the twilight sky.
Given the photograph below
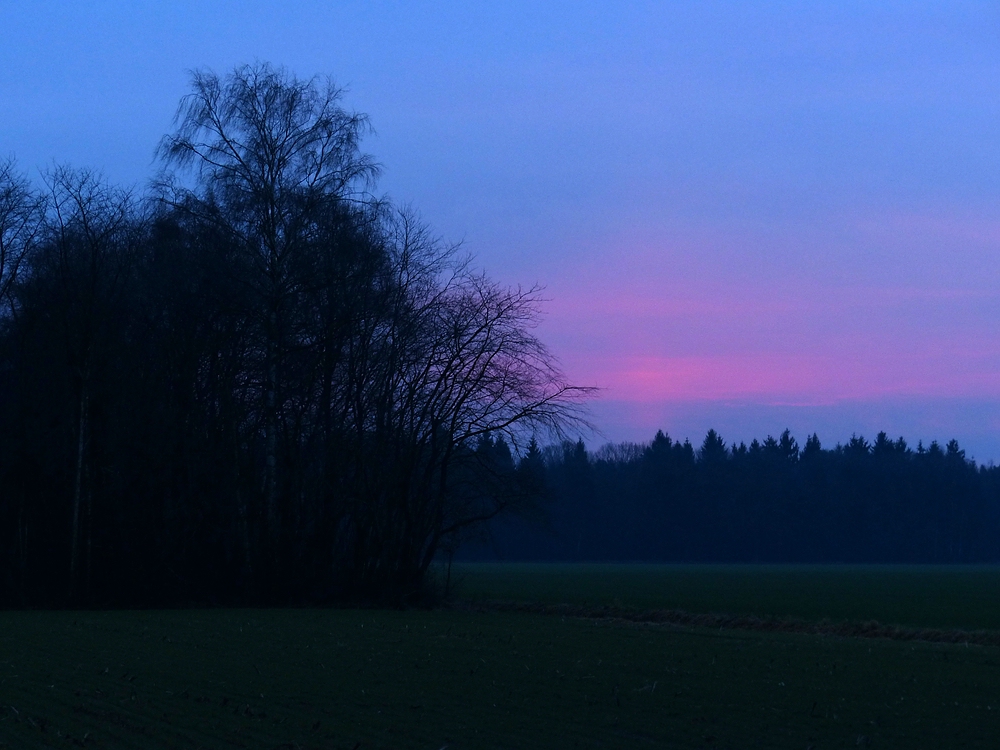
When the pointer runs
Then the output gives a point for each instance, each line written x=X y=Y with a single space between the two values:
x=747 y=215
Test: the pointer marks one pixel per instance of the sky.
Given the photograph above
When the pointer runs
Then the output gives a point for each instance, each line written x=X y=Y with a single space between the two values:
x=746 y=215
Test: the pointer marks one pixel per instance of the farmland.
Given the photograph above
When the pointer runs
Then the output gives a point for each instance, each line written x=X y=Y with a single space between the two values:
x=929 y=596
x=472 y=677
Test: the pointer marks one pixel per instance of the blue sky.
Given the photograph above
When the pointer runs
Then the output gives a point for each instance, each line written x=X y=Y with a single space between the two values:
x=746 y=215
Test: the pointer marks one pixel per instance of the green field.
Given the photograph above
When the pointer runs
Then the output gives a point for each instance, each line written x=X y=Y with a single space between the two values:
x=926 y=596
x=463 y=678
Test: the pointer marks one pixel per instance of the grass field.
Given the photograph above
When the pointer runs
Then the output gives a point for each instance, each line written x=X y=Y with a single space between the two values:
x=469 y=679
x=927 y=596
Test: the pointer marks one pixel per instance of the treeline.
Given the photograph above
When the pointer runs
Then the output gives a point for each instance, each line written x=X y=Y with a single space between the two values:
x=257 y=382
x=771 y=501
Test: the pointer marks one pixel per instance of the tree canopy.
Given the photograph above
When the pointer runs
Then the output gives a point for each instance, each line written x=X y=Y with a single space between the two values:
x=258 y=382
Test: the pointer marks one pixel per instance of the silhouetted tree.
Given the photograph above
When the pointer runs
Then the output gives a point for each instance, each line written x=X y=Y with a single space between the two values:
x=273 y=155
x=90 y=238
x=261 y=385
x=21 y=213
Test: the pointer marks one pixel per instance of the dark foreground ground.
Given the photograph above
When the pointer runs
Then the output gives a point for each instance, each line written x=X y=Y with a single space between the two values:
x=466 y=678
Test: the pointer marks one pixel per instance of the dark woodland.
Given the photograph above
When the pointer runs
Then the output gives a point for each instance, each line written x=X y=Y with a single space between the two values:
x=770 y=502
x=258 y=382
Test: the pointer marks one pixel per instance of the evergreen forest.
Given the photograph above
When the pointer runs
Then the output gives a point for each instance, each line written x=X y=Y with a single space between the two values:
x=773 y=501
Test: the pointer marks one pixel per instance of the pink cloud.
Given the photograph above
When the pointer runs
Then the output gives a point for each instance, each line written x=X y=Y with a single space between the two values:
x=855 y=307
x=783 y=379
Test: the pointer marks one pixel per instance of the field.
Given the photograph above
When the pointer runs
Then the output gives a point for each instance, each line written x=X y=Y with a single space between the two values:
x=912 y=595
x=476 y=677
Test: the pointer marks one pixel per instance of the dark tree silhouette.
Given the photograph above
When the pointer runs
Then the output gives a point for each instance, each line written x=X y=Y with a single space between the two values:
x=91 y=234
x=261 y=384
x=21 y=212
x=273 y=155
x=869 y=502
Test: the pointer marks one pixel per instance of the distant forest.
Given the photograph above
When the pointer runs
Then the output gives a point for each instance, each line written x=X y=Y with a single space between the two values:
x=772 y=501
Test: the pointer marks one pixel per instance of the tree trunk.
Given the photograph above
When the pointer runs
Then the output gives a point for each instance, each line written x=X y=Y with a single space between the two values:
x=272 y=534
x=78 y=488
x=22 y=549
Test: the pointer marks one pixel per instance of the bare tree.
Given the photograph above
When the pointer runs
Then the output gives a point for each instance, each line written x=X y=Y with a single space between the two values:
x=447 y=358
x=20 y=221
x=271 y=153
x=21 y=211
x=91 y=234
x=276 y=385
